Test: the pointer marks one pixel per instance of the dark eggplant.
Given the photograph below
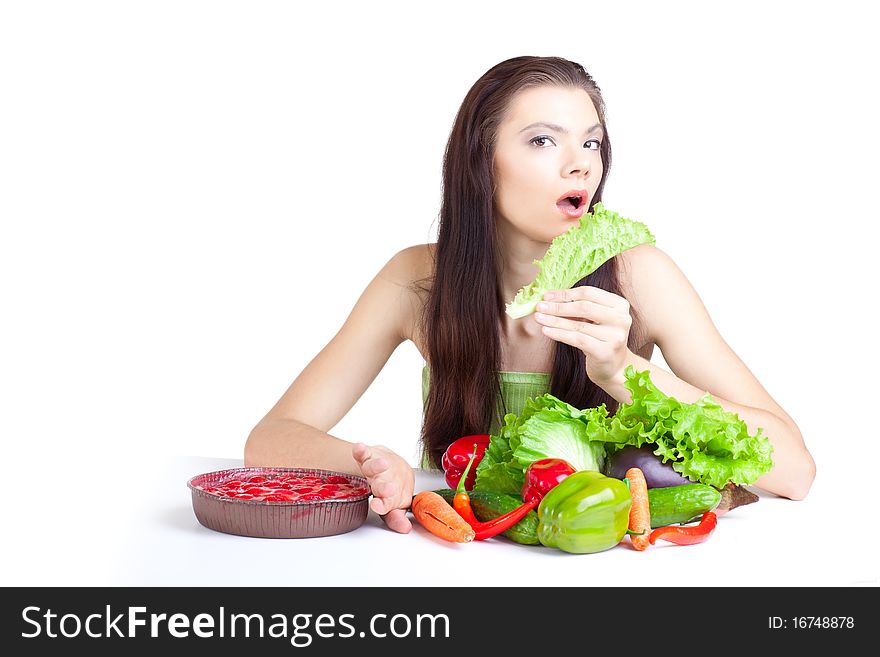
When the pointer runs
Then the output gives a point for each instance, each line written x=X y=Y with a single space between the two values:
x=657 y=474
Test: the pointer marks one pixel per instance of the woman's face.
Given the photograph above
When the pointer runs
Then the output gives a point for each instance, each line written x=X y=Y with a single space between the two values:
x=547 y=149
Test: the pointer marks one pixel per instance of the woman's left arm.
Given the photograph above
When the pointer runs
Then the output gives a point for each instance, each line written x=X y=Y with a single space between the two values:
x=674 y=318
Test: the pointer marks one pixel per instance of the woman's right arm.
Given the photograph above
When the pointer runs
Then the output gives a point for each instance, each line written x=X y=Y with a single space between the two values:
x=294 y=432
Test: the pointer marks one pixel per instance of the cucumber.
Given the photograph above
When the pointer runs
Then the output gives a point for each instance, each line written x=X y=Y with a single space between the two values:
x=488 y=505
x=677 y=504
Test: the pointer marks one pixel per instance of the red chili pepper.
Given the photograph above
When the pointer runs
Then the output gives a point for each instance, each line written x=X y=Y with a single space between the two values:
x=483 y=530
x=543 y=475
x=687 y=535
x=457 y=456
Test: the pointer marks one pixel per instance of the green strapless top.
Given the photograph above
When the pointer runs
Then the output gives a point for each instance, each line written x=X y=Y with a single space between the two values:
x=516 y=388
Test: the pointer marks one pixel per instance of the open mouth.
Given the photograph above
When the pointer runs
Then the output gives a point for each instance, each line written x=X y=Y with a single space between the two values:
x=573 y=203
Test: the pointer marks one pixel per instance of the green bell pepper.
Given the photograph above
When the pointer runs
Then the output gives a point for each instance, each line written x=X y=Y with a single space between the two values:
x=587 y=512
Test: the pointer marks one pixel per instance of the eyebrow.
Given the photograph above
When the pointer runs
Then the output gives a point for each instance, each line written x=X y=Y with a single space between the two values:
x=558 y=128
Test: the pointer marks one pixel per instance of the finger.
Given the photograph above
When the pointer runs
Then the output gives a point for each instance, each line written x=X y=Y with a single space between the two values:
x=583 y=341
x=380 y=505
x=396 y=520
x=374 y=467
x=360 y=452
x=587 y=293
x=385 y=496
x=552 y=321
x=595 y=312
x=599 y=331
x=385 y=489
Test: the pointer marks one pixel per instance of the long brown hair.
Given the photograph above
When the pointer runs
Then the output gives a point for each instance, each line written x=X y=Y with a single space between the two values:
x=462 y=316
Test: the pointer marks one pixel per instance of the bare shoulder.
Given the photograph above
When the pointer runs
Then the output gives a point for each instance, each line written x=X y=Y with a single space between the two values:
x=410 y=265
x=644 y=262
x=412 y=269
x=651 y=281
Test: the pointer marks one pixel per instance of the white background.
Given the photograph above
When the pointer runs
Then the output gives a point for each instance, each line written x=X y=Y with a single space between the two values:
x=194 y=194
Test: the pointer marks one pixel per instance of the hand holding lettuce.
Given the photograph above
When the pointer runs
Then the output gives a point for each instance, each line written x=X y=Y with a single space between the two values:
x=579 y=252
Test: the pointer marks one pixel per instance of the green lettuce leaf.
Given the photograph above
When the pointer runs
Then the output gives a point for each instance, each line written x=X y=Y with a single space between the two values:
x=546 y=428
x=497 y=470
x=578 y=252
x=702 y=441
x=548 y=435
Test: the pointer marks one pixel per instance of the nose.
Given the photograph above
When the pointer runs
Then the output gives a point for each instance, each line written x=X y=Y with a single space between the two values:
x=578 y=162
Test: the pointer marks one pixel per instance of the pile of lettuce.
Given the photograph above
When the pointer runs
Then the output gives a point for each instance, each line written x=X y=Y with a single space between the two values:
x=578 y=252
x=703 y=442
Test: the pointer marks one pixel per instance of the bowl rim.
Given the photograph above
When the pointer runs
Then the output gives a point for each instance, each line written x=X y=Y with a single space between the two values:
x=278 y=470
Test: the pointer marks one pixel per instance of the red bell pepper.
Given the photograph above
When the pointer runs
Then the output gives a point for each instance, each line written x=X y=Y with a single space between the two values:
x=542 y=475
x=687 y=535
x=457 y=456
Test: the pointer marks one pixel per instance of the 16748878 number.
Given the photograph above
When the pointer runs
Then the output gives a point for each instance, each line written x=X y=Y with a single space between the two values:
x=811 y=622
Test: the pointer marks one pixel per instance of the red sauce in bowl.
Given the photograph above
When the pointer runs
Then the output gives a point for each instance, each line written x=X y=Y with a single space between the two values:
x=286 y=488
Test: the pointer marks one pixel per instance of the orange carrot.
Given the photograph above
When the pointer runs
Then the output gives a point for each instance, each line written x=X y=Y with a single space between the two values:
x=435 y=515
x=640 y=511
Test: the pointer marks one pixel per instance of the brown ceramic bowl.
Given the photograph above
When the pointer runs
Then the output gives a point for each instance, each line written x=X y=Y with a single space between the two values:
x=264 y=519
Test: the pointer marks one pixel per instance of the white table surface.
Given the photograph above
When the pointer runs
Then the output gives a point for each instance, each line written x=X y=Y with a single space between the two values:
x=155 y=539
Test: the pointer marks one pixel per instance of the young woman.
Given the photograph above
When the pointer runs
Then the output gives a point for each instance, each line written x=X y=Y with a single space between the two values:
x=530 y=132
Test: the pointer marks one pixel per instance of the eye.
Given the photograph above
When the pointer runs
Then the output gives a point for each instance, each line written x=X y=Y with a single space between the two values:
x=593 y=144
x=541 y=139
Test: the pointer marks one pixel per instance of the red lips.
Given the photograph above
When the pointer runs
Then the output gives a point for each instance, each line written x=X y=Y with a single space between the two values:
x=573 y=203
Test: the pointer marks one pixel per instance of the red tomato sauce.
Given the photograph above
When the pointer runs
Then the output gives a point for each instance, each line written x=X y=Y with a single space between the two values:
x=286 y=488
